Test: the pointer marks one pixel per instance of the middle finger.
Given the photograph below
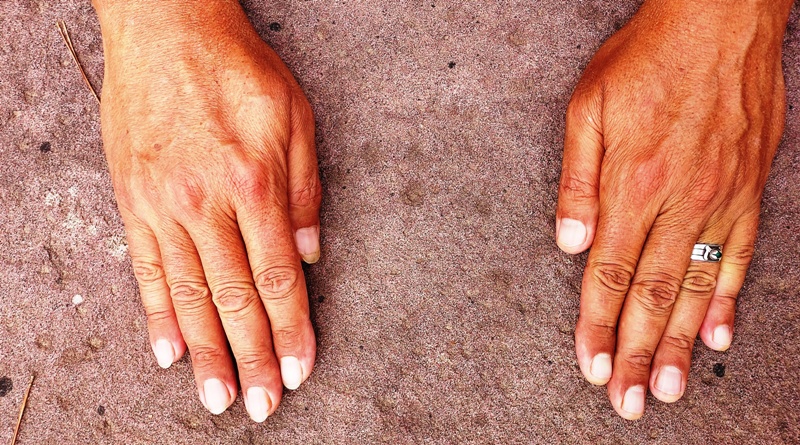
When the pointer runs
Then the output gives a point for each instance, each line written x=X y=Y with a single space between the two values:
x=648 y=305
x=244 y=319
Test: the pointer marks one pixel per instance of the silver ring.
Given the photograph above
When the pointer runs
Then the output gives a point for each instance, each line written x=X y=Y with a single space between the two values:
x=709 y=253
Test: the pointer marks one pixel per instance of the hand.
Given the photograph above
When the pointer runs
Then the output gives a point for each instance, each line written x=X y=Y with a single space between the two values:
x=669 y=139
x=210 y=144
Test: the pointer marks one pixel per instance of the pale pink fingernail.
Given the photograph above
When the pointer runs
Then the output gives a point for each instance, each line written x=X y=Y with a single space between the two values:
x=217 y=397
x=633 y=401
x=164 y=352
x=257 y=403
x=307 y=240
x=722 y=336
x=669 y=380
x=601 y=366
x=291 y=372
x=571 y=233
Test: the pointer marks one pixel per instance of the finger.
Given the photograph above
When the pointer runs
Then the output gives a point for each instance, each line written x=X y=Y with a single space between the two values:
x=305 y=189
x=576 y=215
x=165 y=334
x=717 y=328
x=243 y=317
x=621 y=233
x=649 y=303
x=278 y=276
x=672 y=360
x=198 y=319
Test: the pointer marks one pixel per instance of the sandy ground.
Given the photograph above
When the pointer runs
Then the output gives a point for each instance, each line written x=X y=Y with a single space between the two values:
x=444 y=311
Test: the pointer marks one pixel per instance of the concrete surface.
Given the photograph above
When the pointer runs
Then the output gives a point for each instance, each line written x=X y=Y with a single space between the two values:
x=443 y=308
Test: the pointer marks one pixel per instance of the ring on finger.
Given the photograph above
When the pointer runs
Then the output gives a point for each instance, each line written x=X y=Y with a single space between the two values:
x=707 y=253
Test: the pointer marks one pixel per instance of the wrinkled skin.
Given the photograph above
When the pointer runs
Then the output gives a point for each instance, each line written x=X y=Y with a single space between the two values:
x=210 y=144
x=669 y=139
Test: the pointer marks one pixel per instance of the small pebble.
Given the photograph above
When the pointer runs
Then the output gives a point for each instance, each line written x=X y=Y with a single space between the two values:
x=77 y=299
x=719 y=369
x=6 y=385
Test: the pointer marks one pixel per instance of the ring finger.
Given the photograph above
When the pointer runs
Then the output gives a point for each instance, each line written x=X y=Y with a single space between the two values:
x=672 y=360
x=197 y=318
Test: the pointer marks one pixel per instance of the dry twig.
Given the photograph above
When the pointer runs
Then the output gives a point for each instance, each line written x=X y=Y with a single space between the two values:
x=22 y=410
x=62 y=29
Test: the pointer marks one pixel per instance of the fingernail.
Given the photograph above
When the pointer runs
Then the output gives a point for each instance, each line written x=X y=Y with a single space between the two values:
x=601 y=366
x=722 y=336
x=216 y=395
x=165 y=353
x=571 y=233
x=257 y=402
x=291 y=372
x=307 y=240
x=633 y=401
x=669 y=380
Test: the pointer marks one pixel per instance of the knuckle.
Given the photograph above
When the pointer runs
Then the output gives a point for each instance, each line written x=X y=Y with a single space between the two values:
x=188 y=295
x=576 y=187
x=648 y=177
x=657 y=294
x=678 y=341
x=246 y=178
x=741 y=255
x=254 y=363
x=577 y=110
x=235 y=301
x=251 y=181
x=288 y=337
x=207 y=356
x=158 y=315
x=147 y=271
x=699 y=283
x=726 y=300
x=186 y=191
x=638 y=358
x=612 y=277
x=277 y=283
x=308 y=193
x=603 y=330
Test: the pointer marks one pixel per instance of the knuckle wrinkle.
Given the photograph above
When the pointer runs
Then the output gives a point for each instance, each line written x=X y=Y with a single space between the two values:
x=612 y=277
x=276 y=282
x=147 y=271
x=189 y=295
x=657 y=295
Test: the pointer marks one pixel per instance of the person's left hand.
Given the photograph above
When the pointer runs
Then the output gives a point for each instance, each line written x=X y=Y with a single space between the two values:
x=670 y=135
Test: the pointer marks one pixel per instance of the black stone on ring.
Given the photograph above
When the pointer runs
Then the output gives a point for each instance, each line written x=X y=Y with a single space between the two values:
x=709 y=253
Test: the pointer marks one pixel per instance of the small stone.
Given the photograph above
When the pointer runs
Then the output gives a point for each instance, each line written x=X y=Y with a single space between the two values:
x=719 y=369
x=101 y=410
x=30 y=95
x=275 y=26
x=44 y=343
x=96 y=343
x=77 y=300
x=6 y=385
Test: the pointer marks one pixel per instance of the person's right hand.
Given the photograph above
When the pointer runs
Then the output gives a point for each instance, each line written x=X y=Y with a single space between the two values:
x=210 y=144
x=669 y=139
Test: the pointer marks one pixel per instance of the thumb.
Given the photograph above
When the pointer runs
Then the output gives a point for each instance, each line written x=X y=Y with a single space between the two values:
x=305 y=189
x=578 y=192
